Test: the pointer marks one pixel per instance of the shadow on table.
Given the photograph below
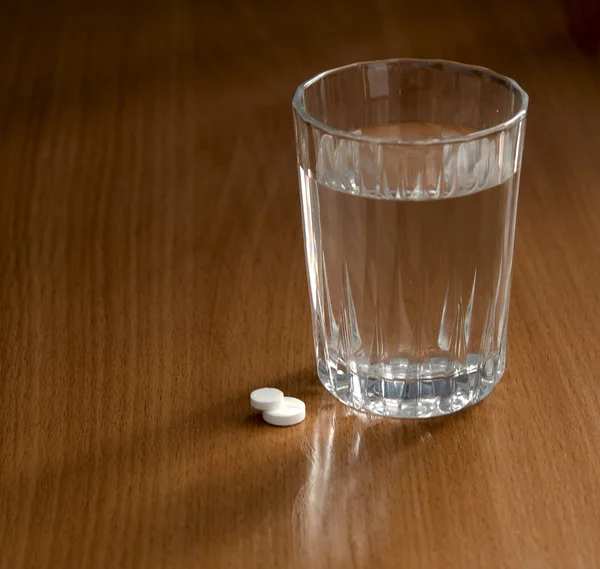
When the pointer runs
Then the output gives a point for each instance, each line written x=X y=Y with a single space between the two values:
x=233 y=484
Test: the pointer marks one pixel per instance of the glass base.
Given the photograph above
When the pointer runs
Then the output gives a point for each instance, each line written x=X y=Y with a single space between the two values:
x=411 y=398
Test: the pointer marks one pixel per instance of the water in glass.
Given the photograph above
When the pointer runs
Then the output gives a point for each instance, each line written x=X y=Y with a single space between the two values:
x=410 y=287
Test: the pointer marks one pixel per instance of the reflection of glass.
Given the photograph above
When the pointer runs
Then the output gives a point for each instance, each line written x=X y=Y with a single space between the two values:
x=349 y=455
x=409 y=174
x=330 y=502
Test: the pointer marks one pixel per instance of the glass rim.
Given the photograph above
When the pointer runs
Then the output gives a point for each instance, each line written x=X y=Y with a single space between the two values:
x=518 y=116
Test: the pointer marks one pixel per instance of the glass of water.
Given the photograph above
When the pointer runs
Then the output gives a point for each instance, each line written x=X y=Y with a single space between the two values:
x=409 y=177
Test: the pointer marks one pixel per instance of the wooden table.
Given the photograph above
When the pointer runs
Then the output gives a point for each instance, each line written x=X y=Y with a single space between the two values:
x=152 y=274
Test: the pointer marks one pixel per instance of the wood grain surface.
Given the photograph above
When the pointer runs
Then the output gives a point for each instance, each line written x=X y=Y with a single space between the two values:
x=152 y=274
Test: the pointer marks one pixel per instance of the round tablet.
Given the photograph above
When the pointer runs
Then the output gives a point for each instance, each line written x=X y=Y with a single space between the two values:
x=266 y=398
x=291 y=412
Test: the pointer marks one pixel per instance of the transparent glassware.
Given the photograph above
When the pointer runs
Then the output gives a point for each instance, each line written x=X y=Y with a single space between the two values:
x=409 y=178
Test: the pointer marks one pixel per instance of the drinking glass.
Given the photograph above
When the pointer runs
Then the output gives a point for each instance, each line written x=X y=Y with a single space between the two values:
x=409 y=178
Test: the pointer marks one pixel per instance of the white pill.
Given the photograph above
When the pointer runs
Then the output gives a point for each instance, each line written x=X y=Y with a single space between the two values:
x=291 y=412
x=266 y=398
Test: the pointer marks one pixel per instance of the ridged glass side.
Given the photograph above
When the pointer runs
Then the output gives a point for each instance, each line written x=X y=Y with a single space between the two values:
x=409 y=247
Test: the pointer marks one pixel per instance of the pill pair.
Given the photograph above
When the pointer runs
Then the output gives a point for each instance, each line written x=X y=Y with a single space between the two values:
x=277 y=409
